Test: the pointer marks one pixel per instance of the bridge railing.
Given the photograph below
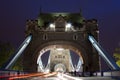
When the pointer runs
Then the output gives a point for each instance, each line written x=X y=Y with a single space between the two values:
x=107 y=73
x=112 y=73
x=10 y=73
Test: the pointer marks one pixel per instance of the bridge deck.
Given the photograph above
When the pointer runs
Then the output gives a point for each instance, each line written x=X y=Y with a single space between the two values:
x=78 y=78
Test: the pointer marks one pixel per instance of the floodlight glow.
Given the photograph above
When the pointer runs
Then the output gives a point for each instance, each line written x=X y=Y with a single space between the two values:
x=68 y=25
x=60 y=49
x=52 y=25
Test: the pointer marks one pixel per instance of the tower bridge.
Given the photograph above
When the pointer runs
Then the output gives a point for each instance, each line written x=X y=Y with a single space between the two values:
x=61 y=30
x=60 y=33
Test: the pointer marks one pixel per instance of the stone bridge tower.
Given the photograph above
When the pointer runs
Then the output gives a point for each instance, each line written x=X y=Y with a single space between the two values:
x=61 y=30
x=60 y=60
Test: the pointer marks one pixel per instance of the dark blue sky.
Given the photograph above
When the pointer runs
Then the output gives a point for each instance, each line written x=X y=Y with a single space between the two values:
x=14 y=13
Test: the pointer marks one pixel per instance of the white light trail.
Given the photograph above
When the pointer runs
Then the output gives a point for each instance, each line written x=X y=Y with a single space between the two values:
x=60 y=76
x=70 y=77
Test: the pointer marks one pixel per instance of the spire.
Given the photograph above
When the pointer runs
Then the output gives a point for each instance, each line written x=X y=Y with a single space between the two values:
x=40 y=9
x=80 y=12
x=119 y=44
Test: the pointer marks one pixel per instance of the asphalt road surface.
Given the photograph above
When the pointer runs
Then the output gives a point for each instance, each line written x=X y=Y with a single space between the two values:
x=76 y=78
x=56 y=76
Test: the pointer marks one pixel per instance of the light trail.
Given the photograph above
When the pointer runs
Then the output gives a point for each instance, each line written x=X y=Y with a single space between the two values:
x=44 y=75
x=50 y=74
x=60 y=76
x=70 y=77
x=26 y=76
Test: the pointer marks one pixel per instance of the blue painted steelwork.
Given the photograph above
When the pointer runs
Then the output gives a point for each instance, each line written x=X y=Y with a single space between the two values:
x=109 y=60
x=79 y=65
x=17 y=54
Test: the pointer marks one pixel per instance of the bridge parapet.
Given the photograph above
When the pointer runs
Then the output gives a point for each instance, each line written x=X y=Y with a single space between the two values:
x=10 y=73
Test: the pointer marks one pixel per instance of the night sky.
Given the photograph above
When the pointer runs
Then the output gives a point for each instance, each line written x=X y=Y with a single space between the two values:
x=14 y=13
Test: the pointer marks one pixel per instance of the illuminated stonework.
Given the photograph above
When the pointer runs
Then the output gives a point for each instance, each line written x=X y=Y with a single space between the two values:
x=60 y=60
x=62 y=29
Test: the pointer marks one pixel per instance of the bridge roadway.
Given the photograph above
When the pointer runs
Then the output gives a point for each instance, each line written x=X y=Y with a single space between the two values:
x=56 y=76
x=76 y=78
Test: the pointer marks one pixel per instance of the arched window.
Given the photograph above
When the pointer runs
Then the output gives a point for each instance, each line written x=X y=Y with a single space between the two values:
x=45 y=37
x=75 y=37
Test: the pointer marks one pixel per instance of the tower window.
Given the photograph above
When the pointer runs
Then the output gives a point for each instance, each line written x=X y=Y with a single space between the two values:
x=75 y=37
x=45 y=37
